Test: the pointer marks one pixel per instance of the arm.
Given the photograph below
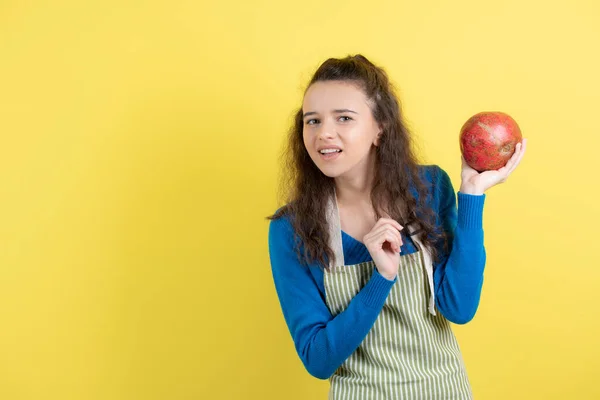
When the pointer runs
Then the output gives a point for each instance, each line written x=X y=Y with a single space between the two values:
x=322 y=341
x=458 y=276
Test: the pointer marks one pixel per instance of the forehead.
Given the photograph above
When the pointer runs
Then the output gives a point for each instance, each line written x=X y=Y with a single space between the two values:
x=328 y=95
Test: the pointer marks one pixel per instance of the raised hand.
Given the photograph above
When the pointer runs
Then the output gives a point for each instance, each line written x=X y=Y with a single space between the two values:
x=477 y=183
x=384 y=242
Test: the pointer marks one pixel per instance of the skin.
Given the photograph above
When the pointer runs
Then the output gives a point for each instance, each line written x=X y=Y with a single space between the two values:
x=339 y=114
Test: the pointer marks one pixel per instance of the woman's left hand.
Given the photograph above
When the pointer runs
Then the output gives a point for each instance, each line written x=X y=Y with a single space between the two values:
x=477 y=183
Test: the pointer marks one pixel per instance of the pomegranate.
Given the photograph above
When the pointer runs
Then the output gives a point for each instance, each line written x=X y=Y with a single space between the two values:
x=488 y=140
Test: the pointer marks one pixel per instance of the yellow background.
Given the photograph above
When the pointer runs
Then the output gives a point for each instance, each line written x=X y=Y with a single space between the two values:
x=139 y=156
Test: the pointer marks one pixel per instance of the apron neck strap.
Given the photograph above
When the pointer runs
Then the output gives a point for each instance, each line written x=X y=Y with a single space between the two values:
x=335 y=231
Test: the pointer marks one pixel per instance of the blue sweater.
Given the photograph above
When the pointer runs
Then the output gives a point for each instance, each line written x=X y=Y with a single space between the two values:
x=323 y=341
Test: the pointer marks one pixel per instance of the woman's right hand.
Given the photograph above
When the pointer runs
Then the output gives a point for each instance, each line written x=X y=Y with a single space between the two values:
x=384 y=242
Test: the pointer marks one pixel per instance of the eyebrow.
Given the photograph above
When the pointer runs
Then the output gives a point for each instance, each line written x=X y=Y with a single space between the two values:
x=338 y=111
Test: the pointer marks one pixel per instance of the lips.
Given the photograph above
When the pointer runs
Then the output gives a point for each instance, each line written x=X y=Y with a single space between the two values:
x=330 y=156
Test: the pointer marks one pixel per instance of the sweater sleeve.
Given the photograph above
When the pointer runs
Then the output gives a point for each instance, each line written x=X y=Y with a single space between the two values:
x=322 y=341
x=458 y=276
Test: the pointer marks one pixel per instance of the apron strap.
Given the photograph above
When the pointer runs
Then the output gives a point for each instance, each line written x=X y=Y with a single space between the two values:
x=428 y=268
x=335 y=232
x=335 y=242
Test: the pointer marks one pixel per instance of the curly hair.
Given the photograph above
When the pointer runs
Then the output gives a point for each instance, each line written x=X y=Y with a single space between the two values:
x=306 y=189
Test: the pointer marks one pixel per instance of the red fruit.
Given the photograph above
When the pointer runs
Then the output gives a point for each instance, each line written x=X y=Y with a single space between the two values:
x=488 y=140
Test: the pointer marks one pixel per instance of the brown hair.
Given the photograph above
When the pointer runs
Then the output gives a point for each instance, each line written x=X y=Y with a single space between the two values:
x=306 y=189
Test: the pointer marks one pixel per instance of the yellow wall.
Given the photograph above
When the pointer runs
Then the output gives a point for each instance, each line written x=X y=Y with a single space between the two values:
x=138 y=157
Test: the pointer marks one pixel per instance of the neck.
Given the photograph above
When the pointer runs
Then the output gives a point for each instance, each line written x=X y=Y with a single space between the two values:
x=355 y=187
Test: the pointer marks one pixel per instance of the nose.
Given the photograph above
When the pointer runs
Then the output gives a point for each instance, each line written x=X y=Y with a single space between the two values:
x=326 y=130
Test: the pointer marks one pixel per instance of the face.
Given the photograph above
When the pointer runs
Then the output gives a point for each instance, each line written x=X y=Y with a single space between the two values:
x=337 y=116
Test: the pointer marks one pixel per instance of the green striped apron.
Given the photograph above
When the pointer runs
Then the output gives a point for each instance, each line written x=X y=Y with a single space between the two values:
x=410 y=352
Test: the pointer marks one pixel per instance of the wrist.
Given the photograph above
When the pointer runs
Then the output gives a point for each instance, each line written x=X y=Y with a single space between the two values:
x=471 y=189
x=390 y=278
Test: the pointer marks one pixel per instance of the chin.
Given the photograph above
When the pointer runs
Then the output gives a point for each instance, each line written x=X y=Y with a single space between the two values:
x=331 y=172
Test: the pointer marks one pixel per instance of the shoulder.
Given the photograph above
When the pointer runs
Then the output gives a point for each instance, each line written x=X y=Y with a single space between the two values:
x=285 y=246
x=433 y=173
x=280 y=226
x=435 y=178
x=440 y=191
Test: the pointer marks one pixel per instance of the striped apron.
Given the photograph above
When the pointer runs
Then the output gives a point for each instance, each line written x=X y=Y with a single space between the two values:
x=410 y=352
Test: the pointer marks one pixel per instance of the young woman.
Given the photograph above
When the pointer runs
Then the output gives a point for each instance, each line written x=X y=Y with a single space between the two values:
x=372 y=254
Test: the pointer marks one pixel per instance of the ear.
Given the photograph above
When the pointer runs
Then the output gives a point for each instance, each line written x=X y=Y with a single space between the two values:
x=378 y=137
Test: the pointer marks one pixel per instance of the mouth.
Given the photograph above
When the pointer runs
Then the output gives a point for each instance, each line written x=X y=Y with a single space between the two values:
x=330 y=154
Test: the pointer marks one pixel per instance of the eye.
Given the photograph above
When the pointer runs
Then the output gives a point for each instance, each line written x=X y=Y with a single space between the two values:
x=312 y=121
x=345 y=118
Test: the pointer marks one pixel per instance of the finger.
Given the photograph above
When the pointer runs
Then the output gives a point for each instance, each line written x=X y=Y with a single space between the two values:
x=387 y=221
x=388 y=236
x=511 y=164
x=384 y=231
x=501 y=176
x=388 y=228
x=508 y=167
x=521 y=153
x=381 y=225
x=519 y=156
x=395 y=223
x=397 y=234
x=515 y=156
